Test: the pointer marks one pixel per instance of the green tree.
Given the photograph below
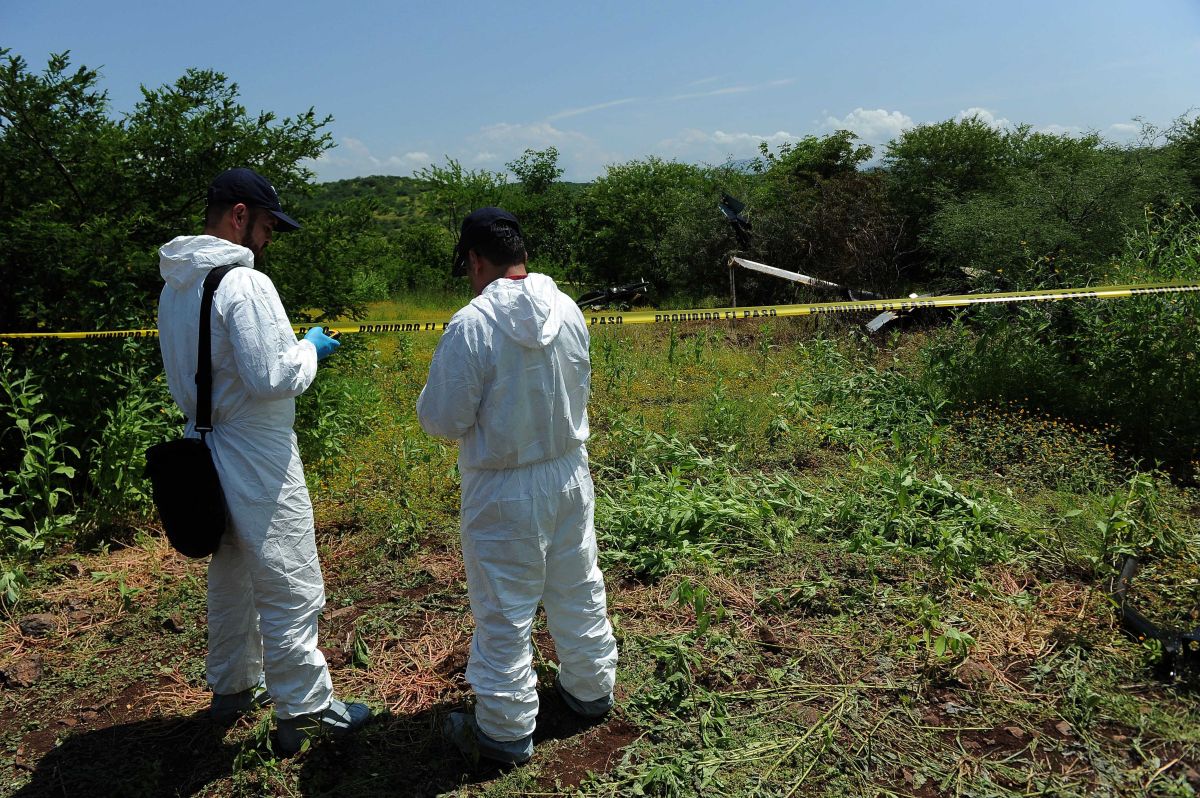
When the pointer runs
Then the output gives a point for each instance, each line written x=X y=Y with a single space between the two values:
x=1184 y=138
x=933 y=164
x=841 y=229
x=547 y=210
x=640 y=221
x=423 y=250
x=453 y=192
x=538 y=170
x=814 y=212
x=334 y=265
x=813 y=158
x=85 y=201
x=1059 y=213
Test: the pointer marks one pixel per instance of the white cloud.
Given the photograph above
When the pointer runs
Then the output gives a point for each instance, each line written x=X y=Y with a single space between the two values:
x=1123 y=131
x=409 y=160
x=770 y=84
x=778 y=137
x=353 y=156
x=356 y=147
x=874 y=126
x=1055 y=129
x=587 y=109
x=485 y=157
x=537 y=134
x=719 y=146
x=711 y=93
x=984 y=115
x=580 y=156
x=693 y=137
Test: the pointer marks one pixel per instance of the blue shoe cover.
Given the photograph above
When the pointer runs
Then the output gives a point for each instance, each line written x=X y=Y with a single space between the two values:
x=336 y=720
x=594 y=709
x=463 y=730
x=226 y=708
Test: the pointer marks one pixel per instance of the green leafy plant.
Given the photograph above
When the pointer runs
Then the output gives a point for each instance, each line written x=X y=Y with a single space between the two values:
x=1130 y=525
x=339 y=407
x=677 y=507
x=35 y=493
x=696 y=596
x=959 y=529
x=126 y=593
x=143 y=415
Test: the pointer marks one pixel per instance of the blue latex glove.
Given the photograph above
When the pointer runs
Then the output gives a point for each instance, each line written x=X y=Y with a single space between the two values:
x=324 y=344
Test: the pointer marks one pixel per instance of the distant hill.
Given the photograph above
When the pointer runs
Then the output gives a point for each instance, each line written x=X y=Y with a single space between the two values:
x=396 y=196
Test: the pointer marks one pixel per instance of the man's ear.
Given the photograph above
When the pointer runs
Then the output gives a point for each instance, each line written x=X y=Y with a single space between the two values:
x=240 y=215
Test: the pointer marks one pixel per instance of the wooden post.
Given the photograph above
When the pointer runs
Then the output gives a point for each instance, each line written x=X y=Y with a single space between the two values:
x=732 y=285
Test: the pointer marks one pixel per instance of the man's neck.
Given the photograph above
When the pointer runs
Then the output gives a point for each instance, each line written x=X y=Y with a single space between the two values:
x=221 y=232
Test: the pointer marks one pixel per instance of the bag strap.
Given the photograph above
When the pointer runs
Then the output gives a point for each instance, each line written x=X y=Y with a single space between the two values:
x=204 y=351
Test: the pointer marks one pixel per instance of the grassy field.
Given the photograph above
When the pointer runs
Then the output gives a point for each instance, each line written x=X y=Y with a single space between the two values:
x=825 y=579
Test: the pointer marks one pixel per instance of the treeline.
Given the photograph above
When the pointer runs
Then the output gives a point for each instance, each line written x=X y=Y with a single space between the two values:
x=958 y=205
x=87 y=197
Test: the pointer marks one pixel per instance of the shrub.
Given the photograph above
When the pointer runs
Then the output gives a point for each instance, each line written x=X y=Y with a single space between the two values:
x=144 y=414
x=1130 y=363
x=677 y=507
x=34 y=495
x=897 y=509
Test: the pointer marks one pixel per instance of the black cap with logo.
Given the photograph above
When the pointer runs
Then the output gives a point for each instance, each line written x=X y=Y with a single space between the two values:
x=476 y=228
x=249 y=187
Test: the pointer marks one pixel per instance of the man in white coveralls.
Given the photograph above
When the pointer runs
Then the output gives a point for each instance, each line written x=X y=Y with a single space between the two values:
x=265 y=588
x=510 y=381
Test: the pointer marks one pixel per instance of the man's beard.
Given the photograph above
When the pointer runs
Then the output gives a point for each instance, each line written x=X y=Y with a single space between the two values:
x=248 y=235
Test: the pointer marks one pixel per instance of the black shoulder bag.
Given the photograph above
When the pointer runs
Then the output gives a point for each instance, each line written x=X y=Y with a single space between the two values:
x=186 y=488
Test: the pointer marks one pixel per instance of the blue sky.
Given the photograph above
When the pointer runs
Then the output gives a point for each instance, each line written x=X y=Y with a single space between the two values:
x=411 y=83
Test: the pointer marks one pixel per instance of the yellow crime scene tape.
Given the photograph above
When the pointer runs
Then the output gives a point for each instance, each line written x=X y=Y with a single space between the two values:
x=724 y=314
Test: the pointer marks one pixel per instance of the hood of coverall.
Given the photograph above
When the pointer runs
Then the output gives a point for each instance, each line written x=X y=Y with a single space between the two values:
x=185 y=260
x=525 y=310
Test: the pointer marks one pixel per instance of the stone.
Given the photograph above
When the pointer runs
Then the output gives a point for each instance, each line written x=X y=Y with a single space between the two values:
x=39 y=625
x=174 y=623
x=22 y=673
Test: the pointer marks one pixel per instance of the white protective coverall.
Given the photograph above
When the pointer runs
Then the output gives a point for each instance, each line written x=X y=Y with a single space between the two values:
x=510 y=381
x=265 y=588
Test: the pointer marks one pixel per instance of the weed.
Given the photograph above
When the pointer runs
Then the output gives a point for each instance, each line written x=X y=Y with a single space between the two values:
x=32 y=493
x=144 y=414
x=958 y=528
x=683 y=508
x=689 y=594
x=674 y=677
x=126 y=593
x=615 y=362
x=1080 y=703
x=723 y=420
x=1130 y=525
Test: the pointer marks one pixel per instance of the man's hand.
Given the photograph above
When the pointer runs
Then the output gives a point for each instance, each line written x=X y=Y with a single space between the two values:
x=325 y=344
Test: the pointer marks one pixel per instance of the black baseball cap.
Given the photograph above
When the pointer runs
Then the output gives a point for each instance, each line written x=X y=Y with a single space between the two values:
x=247 y=186
x=476 y=228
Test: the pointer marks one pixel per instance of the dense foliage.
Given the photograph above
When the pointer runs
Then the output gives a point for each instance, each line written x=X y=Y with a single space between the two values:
x=85 y=201
x=86 y=197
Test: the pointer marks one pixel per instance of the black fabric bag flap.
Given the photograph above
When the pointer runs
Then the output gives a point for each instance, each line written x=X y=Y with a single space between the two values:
x=187 y=492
